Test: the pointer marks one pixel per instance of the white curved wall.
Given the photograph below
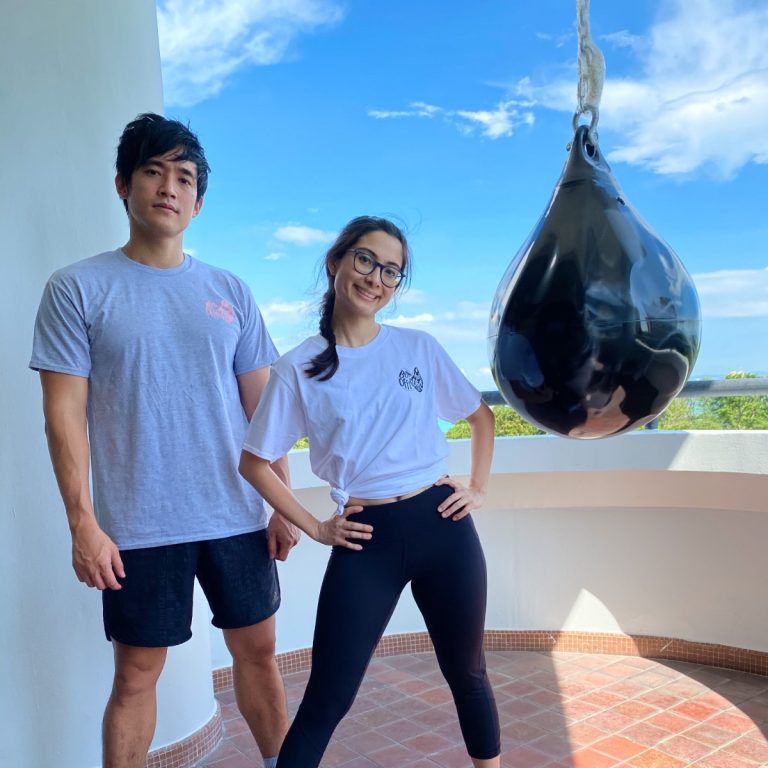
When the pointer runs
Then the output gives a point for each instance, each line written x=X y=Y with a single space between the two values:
x=652 y=533
x=71 y=76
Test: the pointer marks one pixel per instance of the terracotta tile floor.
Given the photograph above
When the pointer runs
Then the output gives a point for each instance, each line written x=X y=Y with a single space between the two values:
x=555 y=710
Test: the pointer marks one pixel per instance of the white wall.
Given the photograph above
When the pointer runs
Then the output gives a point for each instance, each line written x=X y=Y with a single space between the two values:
x=71 y=76
x=649 y=533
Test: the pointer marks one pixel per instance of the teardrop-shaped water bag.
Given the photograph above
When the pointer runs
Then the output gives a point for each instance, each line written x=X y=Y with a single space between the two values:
x=595 y=325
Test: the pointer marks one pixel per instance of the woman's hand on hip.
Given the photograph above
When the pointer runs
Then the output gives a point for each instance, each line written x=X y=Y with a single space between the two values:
x=339 y=529
x=462 y=501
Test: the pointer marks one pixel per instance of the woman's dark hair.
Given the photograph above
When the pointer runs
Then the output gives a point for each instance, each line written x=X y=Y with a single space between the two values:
x=150 y=135
x=325 y=365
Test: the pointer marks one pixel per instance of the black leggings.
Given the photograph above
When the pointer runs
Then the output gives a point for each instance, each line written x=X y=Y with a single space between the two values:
x=444 y=562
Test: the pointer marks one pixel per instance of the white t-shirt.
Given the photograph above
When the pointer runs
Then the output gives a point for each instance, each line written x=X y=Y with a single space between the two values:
x=373 y=426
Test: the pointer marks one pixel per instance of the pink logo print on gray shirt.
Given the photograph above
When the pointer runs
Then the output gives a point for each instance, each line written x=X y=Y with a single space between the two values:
x=223 y=310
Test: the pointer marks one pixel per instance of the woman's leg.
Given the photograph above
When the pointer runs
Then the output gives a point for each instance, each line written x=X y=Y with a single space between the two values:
x=450 y=591
x=359 y=593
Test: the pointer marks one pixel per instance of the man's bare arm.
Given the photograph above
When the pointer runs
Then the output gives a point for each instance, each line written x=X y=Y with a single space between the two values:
x=95 y=557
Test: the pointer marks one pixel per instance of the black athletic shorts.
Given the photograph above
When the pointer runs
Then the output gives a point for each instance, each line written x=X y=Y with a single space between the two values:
x=154 y=606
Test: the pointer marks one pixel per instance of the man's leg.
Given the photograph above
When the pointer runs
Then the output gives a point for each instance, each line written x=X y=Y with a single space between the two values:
x=258 y=685
x=129 y=720
x=241 y=584
x=152 y=611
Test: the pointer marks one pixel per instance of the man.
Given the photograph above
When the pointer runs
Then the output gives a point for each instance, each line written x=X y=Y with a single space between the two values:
x=151 y=364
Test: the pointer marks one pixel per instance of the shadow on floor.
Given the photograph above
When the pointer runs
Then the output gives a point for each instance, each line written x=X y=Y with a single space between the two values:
x=557 y=710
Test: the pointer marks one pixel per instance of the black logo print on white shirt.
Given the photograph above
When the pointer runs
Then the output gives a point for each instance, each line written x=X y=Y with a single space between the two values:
x=410 y=380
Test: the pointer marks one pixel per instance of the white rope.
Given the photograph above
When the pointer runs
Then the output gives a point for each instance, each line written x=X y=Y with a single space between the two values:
x=591 y=72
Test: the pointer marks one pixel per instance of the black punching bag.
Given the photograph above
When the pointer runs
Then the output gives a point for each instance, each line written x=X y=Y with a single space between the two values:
x=595 y=325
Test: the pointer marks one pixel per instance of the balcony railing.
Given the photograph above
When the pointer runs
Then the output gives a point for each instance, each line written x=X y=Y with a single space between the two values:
x=693 y=389
x=701 y=388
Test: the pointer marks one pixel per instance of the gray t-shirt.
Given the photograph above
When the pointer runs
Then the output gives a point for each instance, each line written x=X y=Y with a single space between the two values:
x=161 y=349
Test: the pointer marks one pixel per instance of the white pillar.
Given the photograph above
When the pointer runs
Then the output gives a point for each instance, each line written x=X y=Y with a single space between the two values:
x=72 y=74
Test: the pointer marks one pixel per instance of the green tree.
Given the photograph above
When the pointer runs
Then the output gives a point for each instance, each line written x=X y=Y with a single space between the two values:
x=458 y=431
x=743 y=412
x=732 y=412
x=687 y=413
x=508 y=423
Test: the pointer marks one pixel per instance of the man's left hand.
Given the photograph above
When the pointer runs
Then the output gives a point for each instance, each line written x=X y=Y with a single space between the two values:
x=282 y=536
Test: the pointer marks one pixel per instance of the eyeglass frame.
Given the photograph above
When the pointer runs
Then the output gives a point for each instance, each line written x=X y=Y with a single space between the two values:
x=376 y=263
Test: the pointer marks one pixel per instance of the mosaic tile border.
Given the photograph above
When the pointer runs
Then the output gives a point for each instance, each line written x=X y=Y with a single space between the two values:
x=648 y=646
x=708 y=654
x=189 y=751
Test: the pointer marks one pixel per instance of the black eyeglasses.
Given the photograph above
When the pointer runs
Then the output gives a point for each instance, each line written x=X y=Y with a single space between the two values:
x=365 y=264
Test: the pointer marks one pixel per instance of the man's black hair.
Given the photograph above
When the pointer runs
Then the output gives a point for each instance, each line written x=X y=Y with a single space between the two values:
x=150 y=135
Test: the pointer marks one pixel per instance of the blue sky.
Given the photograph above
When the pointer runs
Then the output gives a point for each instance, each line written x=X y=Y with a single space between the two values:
x=453 y=118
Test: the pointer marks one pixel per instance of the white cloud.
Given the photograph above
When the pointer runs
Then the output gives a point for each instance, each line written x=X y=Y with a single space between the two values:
x=203 y=42
x=733 y=293
x=467 y=322
x=566 y=38
x=298 y=234
x=289 y=322
x=723 y=127
x=623 y=39
x=699 y=100
x=502 y=120
x=275 y=256
x=416 y=109
x=387 y=114
x=412 y=296
x=498 y=122
x=469 y=310
x=463 y=333
x=723 y=293
x=285 y=313
x=413 y=321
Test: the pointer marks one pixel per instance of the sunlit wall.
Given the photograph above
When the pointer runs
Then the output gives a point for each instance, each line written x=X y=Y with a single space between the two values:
x=71 y=76
x=652 y=533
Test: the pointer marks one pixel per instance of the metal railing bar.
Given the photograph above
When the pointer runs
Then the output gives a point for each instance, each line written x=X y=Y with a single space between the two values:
x=698 y=388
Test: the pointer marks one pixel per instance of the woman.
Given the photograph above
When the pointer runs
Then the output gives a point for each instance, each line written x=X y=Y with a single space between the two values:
x=369 y=396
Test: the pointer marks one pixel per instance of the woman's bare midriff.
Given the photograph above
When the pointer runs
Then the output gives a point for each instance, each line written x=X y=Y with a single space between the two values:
x=376 y=502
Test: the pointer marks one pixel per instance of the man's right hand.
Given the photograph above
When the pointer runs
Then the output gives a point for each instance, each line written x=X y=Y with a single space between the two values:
x=95 y=557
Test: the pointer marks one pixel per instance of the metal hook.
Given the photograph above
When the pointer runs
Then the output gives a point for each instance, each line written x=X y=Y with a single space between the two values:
x=595 y=114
